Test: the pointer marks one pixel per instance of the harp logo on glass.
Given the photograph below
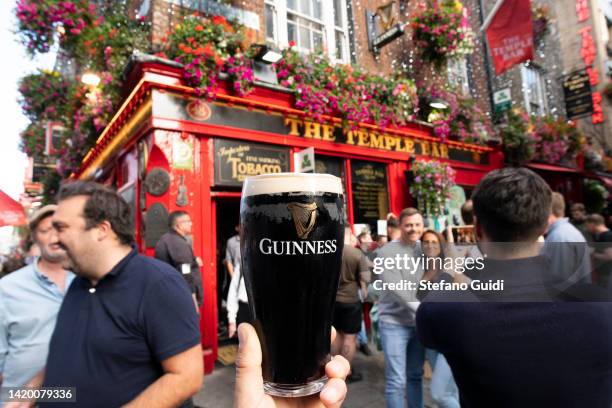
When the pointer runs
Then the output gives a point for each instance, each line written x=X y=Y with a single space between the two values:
x=304 y=219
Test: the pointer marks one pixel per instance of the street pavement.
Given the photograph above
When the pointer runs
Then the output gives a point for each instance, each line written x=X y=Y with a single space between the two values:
x=218 y=387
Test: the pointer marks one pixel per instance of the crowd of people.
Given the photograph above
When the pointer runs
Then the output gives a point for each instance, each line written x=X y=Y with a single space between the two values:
x=90 y=312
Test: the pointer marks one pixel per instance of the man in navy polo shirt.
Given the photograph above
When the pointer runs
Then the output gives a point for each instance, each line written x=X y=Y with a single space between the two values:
x=127 y=332
x=527 y=345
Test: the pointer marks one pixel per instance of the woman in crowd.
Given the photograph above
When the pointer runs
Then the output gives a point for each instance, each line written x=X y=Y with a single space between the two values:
x=444 y=391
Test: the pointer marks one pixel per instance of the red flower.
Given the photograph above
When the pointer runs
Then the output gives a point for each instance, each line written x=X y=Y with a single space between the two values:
x=199 y=28
x=219 y=20
x=219 y=61
x=291 y=44
x=208 y=51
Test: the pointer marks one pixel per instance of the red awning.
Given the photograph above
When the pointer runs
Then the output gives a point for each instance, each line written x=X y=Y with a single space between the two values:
x=552 y=167
x=11 y=212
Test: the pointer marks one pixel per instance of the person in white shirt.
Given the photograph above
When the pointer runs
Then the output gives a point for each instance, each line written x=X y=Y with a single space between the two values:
x=237 y=302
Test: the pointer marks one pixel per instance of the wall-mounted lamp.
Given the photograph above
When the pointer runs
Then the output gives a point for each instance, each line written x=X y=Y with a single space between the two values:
x=90 y=79
x=264 y=53
x=263 y=59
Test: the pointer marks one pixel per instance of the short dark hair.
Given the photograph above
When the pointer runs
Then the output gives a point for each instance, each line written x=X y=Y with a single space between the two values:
x=578 y=207
x=595 y=219
x=408 y=212
x=103 y=204
x=174 y=216
x=392 y=223
x=467 y=212
x=512 y=205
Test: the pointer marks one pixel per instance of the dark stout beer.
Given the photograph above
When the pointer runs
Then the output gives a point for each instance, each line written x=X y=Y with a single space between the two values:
x=292 y=237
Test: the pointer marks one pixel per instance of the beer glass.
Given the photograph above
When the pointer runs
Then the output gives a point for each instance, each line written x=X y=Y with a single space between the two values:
x=292 y=233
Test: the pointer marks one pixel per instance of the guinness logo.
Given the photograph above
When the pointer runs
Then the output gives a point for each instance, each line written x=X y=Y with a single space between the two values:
x=385 y=12
x=304 y=217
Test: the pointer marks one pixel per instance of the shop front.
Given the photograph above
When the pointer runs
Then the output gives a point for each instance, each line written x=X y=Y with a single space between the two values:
x=168 y=149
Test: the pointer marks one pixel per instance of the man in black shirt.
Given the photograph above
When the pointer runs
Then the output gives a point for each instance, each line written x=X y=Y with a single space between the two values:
x=174 y=248
x=127 y=332
x=602 y=255
x=520 y=350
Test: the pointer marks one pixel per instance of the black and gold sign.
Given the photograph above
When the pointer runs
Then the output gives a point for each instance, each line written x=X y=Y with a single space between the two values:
x=369 y=185
x=173 y=106
x=235 y=161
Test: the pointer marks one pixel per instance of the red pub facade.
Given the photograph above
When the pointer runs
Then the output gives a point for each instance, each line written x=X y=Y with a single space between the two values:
x=167 y=149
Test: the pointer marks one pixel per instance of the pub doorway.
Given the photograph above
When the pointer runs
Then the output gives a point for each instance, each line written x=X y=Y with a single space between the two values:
x=226 y=219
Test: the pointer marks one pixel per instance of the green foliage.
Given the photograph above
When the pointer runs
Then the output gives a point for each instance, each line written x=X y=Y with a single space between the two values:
x=595 y=196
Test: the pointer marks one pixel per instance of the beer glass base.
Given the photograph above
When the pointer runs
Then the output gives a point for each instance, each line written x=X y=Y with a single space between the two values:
x=289 y=390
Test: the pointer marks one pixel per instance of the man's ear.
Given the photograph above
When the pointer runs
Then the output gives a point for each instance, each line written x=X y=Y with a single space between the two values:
x=104 y=231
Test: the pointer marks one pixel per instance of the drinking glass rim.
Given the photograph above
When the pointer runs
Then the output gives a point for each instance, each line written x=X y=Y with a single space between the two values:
x=304 y=182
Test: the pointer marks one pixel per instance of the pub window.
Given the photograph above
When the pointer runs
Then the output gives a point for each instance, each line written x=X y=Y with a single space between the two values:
x=128 y=193
x=370 y=197
x=534 y=90
x=270 y=21
x=310 y=24
x=334 y=166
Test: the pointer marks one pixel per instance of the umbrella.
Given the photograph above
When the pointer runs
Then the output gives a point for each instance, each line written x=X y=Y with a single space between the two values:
x=11 y=212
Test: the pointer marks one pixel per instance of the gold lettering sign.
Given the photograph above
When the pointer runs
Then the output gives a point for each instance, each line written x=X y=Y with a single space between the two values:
x=364 y=138
x=234 y=161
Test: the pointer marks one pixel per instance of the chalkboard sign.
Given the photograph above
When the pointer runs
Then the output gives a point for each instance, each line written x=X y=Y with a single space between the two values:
x=578 y=98
x=235 y=161
x=370 y=197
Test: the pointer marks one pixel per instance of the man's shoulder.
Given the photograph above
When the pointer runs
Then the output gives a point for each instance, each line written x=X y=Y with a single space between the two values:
x=151 y=269
x=352 y=252
x=169 y=236
x=17 y=278
x=390 y=248
x=566 y=232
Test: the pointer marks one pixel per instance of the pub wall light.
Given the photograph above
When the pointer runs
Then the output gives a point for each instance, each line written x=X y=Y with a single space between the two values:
x=438 y=103
x=90 y=79
x=428 y=104
x=264 y=53
x=263 y=59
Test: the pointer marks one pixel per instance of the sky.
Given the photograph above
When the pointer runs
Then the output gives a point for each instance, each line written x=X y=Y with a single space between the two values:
x=15 y=64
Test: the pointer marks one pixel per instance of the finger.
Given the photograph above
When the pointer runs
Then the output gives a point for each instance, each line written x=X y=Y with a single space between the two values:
x=334 y=393
x=333 y=334
x=338 y=367
x=249 y=381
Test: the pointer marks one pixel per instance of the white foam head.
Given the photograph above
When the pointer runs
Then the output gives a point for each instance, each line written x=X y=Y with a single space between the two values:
x=291 y=183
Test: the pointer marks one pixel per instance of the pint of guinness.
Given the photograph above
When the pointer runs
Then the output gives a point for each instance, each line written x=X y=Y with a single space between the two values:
x=292 y=230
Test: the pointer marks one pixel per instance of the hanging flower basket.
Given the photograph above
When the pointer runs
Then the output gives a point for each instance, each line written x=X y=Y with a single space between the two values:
x=463 y=120
x=557 y=140
x=432 y=185
x=518 y=138
x=442 y=31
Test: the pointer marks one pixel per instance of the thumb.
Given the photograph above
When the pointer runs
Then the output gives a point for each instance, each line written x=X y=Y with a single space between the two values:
x=249 y=380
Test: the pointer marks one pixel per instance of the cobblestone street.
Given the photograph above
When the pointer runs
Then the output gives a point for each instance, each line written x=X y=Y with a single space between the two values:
x=368 y=393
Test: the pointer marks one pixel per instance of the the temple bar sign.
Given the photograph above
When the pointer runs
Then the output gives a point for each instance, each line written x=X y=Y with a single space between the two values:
x=173 y=106
x=366 y=138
